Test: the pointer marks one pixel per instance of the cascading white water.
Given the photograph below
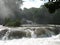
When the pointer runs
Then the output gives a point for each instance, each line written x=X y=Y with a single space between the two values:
x=5 y=37
x=32 y=41
x=33 y=35
x=54 y=40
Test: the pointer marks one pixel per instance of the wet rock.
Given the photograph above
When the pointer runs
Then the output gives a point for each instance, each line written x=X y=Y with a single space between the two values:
x=56 y=30
x=28 y=34
x=16 y=34
x=43 y=32
x=3 y=32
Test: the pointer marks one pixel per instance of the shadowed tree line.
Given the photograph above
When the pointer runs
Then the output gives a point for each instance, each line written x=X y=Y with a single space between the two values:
x=49 y=13
x=52 y=6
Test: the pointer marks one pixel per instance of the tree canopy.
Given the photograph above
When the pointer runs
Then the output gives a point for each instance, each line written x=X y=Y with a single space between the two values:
x=52 y=6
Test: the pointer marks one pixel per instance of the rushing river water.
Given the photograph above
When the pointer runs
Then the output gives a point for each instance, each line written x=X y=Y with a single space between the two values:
x=28 y=36
x=32 y=41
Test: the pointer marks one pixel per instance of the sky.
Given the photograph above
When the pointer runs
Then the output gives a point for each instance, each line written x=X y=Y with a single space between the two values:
x=32 y=3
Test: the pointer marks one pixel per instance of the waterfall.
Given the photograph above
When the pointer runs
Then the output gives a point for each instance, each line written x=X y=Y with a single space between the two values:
x=54 y=40
x=33 y=35
x=5 y=37
x=32 y=41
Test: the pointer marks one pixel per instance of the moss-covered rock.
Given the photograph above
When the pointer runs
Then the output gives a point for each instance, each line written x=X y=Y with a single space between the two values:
x=16 y=34
x=43 y=32
x=40 y=31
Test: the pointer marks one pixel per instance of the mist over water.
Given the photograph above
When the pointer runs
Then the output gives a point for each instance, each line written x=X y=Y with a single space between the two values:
x=25 y=35
x=8 y=7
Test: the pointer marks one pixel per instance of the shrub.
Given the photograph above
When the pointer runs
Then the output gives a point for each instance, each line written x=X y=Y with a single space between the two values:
x=11 y=22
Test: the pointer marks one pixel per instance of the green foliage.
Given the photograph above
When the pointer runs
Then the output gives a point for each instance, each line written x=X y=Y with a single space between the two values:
x=13 y=23
x=36 y=15
x=56 y=19
x=52 y=6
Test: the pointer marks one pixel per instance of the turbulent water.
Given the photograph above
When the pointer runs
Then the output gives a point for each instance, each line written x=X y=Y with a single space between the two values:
x=32 y=41
x=28 y=36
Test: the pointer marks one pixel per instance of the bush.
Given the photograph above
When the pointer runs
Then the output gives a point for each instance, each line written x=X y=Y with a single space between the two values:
x=11 y=22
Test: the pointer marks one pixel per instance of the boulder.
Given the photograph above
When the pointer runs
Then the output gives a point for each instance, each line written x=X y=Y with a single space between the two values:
x=16 y=34
x=3 y=32
x=43 y=32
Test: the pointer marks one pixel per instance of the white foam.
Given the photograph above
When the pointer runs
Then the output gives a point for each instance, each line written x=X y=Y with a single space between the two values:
x=32 y=41
x=54 y=40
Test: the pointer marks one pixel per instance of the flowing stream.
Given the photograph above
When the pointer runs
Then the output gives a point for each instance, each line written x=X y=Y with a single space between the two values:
x=26 y=40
